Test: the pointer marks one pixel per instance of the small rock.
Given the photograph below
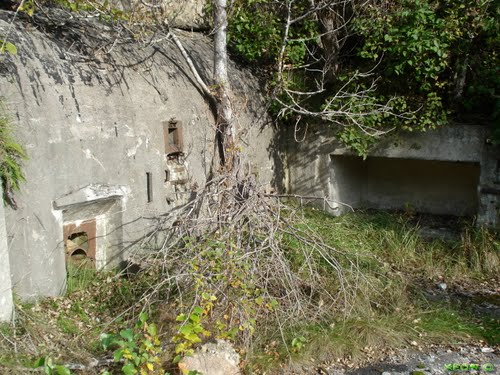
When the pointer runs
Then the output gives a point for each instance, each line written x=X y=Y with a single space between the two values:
x=442 y=286
x=386 y=373
x=487 y=350
x=218 y=358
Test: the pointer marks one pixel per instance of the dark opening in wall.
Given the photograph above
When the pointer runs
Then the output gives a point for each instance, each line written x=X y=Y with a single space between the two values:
x=172 y=137
x=149 y=186
x=79 y=244
x=428 y=186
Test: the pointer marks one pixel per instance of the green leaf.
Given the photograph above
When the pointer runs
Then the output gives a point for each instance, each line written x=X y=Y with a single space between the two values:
x=193 y=337
x=62 y=370
x=129 y=369
x=127 y=334
x=143 y=317
x=195 y=318
x=181 y=317
x=11 y=48
x=198 y=310
x=152 y=330
x=186 y=329
x=40 y=362
x=106 y=340
x=118 y=355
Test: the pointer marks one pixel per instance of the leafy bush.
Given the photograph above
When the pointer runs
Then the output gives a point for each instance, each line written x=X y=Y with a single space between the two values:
x=138 y=347
x=429 y=61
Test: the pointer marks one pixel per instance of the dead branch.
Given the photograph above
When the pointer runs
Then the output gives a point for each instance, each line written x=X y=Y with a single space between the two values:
x=190 y=63
x=249 y=229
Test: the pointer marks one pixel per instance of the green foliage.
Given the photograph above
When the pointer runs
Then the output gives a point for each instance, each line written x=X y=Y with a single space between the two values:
x=138 y=347
x=11 y=155
x=298 y=343
x=7 y=47
x=220 y=266
x=432 y=61
x=413 y=40
x=51 y=368
x=191 y=330
x=79 y=277
x=428 y=53
x=28 y=7
x=256 y=29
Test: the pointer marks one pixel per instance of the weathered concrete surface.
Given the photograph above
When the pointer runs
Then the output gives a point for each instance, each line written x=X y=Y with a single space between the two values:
x=457 y=143
x=182 y=14
x=89 y=106
x=446 y=171
x=187 y=14
x=6 y=303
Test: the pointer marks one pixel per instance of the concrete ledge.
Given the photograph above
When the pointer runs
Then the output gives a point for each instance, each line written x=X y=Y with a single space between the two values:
x=90 y=193
x=449 y=143
x=6 y=303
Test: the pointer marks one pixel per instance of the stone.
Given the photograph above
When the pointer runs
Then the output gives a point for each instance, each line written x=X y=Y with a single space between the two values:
x=442 y=286
x=487 y=350
x=217 y=358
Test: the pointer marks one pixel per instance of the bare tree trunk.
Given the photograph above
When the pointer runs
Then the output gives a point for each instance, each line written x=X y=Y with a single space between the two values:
x=226 y=136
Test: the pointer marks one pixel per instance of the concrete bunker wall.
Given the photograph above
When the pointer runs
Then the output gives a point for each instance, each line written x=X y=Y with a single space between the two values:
x=93 y=125
x=452 y=170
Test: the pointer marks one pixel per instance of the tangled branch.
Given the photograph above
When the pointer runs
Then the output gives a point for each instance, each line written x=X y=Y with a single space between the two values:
x=251 y=253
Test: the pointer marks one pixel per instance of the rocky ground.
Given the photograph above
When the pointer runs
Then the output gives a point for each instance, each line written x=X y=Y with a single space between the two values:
x=459 y=360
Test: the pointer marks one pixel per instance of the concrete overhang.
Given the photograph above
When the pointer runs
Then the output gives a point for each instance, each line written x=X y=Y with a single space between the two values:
x=454 y=143
x=90 y=193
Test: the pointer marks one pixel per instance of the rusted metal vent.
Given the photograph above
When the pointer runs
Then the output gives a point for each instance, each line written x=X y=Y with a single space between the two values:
x=77 y=247
x=80 y=244
x=172 y=137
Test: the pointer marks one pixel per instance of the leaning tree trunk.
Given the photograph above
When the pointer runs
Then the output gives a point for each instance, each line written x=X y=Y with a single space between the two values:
x=226 y=137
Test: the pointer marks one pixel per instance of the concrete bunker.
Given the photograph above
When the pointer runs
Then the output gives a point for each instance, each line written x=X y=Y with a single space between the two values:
x=427 y=186
x=450 y=171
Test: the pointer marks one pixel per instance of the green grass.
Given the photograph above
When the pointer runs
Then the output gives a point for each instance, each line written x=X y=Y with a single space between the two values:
x=389 y=309
x=79 y=277
x=389 y=239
